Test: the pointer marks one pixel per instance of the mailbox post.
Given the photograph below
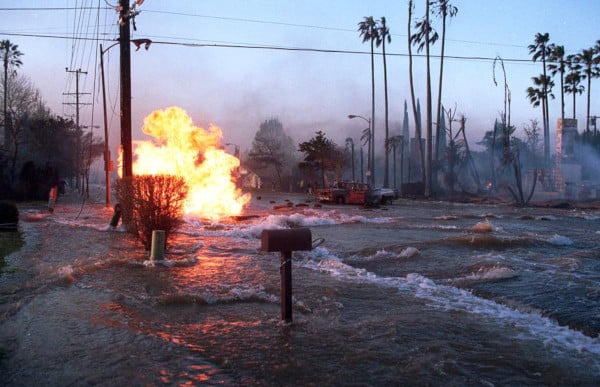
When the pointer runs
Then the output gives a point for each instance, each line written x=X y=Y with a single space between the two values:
x=286 y=241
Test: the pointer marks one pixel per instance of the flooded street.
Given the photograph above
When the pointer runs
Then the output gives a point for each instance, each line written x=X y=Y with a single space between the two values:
x=425 y=293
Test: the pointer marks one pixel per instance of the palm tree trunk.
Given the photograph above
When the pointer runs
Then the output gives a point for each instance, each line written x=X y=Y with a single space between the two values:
x=372 y=115
x=562 y=92
x=545 y=111
x=428 y=159
x=589 y=92
x=385 y=146
x=439 y=100
x=493 y=156
x=574 y=94
x=5 y=84
x=414 y=104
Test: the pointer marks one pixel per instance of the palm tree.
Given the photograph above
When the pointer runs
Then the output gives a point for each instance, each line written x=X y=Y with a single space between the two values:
x=590 y=61
x=538 y=97
x=11 y=59
x=382 y=36
x=393 y=143
x=558 y=65
x=540 y=51
x=418 y=134
x=350 y=143
x=443 y=9
x=368 y=31
x=424 y=38
x=573 y=80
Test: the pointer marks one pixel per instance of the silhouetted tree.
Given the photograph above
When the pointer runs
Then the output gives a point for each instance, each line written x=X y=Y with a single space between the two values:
x=393 y=143
x=558 y=65
x=11 y=61
x=424 y=38
x=382 y=36
x=369 y=33
x=321 y=153
x=350 y=144
x=540 y=51
x=590 y=61
x=573 y=80
x=443 y=9
x=272 y=147
x=418 y=133
x=537 y=97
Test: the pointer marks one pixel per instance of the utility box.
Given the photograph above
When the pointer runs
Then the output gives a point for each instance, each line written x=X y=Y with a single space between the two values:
x=286 y=240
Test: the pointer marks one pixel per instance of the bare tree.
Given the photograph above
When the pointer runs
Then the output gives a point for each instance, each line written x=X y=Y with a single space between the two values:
x=272 y=147
x=11 y=61
x=22 y=102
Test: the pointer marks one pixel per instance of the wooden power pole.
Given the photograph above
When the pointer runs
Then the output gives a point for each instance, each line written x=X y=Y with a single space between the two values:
x=79 y=152
x=125 y=65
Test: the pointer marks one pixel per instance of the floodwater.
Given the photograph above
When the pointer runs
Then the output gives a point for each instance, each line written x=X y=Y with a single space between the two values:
x=424 y=293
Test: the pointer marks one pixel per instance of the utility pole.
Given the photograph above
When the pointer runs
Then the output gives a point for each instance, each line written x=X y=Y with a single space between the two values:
x=125 y=67
x=107 y=161
x=79 y=155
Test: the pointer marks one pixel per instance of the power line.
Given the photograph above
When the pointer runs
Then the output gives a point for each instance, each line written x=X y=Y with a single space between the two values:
x=283 y=48
x=49 y=8
x=255 y=21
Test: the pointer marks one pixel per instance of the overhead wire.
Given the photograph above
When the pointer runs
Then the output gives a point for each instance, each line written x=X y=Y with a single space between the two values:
x=285 y=48
x=247 y=20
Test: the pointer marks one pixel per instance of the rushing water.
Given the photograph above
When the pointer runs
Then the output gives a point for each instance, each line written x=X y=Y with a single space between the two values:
x=411 y=293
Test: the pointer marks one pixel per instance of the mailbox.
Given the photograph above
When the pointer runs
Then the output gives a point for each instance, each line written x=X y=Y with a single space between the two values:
x=287 y=240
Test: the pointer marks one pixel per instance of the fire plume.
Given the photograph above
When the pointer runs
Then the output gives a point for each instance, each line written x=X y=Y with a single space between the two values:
x=182 y=149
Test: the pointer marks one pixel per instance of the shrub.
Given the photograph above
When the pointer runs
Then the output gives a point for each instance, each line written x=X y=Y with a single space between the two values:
x=151 y=203
x=9 y=215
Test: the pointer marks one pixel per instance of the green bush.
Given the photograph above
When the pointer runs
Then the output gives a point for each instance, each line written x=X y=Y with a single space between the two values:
x=151 y=203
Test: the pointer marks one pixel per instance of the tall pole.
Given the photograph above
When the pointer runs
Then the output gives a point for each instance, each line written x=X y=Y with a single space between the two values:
x=362 y=180
x=353 y=174
x=79 y=153
x=125 y=64
x=107 y=167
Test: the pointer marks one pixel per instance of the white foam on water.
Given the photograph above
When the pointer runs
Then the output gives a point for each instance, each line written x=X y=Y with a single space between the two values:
x=170 y=263
x=409 y=252
x=485 y=274
x=450 y=298
x=559 y=240
x=253 y=229
x=240 y=293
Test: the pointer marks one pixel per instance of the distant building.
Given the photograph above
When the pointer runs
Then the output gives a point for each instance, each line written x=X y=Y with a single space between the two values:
x=249 y=179
x=567 y=173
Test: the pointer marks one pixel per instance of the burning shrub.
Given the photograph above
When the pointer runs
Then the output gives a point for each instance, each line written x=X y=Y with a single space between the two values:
x=151 y=203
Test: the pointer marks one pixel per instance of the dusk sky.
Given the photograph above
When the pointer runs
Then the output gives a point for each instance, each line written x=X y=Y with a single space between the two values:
x=238 y=88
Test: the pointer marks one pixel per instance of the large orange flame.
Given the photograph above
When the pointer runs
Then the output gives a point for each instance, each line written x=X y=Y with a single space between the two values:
x=182 y=149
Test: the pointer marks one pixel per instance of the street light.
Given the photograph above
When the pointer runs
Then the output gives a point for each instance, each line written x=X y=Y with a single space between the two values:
x=371 y=149
x=108 y=166
x=107 y=161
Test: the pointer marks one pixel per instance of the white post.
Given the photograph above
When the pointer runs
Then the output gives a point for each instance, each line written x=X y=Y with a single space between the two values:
x=157 y=251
